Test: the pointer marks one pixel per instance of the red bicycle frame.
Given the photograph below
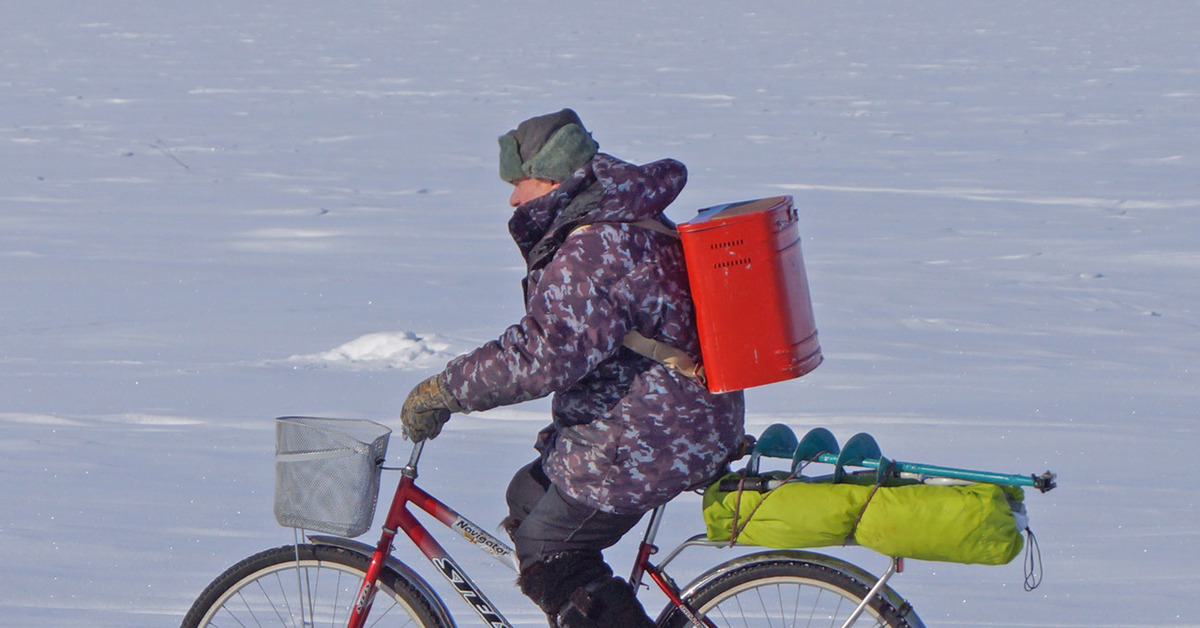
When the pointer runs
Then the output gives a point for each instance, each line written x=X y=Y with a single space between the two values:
x=400 y=518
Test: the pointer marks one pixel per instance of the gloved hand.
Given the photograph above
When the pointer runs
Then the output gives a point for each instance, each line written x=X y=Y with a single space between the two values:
x=427 y=409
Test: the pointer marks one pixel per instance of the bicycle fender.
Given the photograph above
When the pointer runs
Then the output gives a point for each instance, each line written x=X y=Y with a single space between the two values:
x=406 y=572
x=830 y=562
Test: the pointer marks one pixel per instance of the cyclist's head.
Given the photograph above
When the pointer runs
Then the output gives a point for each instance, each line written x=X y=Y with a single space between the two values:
x=549 y=147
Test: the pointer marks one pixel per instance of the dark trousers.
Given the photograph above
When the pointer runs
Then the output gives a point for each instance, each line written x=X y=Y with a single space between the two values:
x=551 y=522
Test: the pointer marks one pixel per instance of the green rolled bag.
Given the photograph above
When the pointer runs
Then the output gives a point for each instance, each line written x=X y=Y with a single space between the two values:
x=974 y=523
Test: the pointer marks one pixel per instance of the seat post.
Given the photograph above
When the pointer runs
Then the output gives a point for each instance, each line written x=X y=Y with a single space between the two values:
x=656 y=517
x=647 y=547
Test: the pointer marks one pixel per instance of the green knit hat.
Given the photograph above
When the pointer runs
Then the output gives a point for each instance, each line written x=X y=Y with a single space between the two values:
x=550 y=147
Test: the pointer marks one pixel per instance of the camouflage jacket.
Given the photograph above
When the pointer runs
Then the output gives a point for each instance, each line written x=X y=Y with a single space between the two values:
x=628 y=433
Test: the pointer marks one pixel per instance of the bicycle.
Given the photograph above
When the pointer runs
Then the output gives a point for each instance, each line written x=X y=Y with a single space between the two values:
x=336 y=581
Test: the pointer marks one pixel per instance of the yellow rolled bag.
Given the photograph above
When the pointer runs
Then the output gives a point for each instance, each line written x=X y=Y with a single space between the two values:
x=972 y=523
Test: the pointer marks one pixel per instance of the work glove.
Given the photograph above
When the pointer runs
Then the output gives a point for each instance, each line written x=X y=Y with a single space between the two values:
x=427 y=409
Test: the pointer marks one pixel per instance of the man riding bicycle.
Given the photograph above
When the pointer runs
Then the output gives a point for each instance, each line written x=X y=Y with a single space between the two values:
x=629 y=432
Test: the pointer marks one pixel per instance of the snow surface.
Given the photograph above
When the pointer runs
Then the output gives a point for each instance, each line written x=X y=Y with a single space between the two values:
x=214 y=213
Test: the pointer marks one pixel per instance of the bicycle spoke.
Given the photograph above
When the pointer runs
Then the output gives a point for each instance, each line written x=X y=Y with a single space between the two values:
x=337 y=594
x=287 y=606
x=796 y=608
x=247 y=605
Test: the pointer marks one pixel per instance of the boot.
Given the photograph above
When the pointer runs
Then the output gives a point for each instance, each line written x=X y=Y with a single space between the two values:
x=550 y=581
x=604 y=603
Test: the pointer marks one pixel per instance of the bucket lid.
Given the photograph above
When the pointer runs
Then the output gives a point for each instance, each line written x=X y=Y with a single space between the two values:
x=719 y=215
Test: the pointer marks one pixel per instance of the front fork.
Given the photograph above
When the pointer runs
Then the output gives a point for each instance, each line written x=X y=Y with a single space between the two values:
x=366 y=592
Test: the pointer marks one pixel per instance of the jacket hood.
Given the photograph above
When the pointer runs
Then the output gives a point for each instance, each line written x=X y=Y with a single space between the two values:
x=633 y=193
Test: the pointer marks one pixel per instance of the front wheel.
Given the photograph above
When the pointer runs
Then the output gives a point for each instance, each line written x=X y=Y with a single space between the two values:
x=306 y=585
x=791 y=593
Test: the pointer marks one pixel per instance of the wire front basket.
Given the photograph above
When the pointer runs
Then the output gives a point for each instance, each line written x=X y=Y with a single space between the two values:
x=327 y=473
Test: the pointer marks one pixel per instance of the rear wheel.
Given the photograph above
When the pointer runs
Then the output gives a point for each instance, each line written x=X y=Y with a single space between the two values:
x=304 y=585
x=791 y=593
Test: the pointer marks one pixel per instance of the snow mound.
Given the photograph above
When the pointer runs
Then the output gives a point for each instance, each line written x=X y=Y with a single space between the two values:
x=382 y=350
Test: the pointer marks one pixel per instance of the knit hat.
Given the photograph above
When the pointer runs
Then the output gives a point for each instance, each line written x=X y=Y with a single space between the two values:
x=550 y=147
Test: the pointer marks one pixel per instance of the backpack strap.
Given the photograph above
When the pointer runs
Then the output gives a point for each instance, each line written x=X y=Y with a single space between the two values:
x=649 y=223
x=665 y=354
x=656 y=225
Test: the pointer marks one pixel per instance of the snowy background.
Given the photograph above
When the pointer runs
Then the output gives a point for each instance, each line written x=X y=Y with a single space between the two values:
x=215 y=213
